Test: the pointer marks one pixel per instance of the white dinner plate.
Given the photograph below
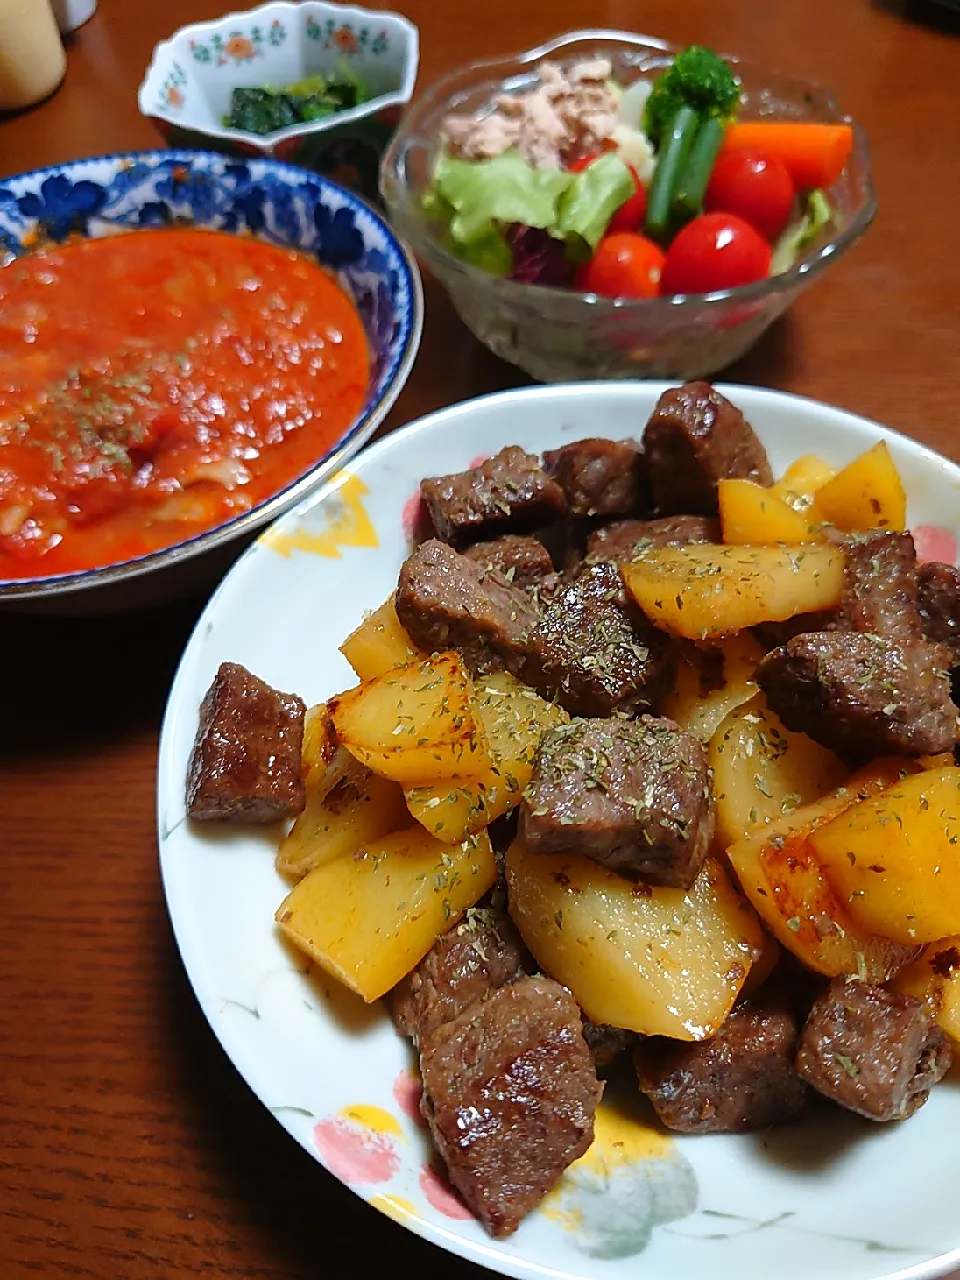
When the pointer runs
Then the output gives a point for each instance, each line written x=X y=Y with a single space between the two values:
x=829 y=1197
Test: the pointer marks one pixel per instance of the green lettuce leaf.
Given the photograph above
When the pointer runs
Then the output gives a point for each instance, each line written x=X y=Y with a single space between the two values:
x=591 y=200
x=485 y=193
x=816 y=214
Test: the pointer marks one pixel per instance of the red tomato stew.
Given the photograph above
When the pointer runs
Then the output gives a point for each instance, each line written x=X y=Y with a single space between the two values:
x=158 y=383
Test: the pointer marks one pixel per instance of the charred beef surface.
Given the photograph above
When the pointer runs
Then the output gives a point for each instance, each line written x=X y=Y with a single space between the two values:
x=626 y=540
x=860 y=695
x=872 y=1051
x=694 y=438
x=522 y=560
x=938 y=597
x=596 y=653
x=741 y=1079
x=246 y=761
x=508 y=493
x=600 y=477
x=880 y=587
x=510 y=1092
x=632 y=794
x=606 y=1043
x=446 y=601
x=476 y=958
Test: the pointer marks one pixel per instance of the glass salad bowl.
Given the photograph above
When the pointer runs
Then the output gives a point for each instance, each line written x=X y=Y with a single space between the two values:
x=558 y=334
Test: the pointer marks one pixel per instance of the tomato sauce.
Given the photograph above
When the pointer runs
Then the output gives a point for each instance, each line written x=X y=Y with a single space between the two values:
x=157 y=383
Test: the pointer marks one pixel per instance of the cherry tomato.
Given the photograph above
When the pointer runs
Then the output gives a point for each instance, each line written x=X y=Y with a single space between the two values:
x=756 y=187
x=624 y=265
x=629 y=217
x=714 y=251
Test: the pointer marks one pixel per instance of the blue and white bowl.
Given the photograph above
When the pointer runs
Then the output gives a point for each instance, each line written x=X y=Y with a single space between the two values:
x=275 y=202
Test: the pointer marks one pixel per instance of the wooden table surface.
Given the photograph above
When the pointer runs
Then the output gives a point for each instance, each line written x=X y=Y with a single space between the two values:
x=129 y=1146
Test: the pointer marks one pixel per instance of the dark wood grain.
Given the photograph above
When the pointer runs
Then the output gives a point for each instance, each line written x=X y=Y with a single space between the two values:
x=129 y=1147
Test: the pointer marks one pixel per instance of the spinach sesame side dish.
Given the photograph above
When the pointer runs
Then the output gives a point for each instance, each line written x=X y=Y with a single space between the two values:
x=265 y=109
x=651 y=758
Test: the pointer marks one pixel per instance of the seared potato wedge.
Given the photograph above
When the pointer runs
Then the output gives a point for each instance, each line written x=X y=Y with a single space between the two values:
x=513 y=718
x=754 y=516
x=779 y=872
x=709 y=684
x=319 y=745
x=665 y=962
x=893 y=859
x=934 y=978
x=416 y=724
x=370 y=918
x=347 y=807
x=704 y=592
x=379 y=644
x=762 y=771
x=867 y=494
x=799 y=484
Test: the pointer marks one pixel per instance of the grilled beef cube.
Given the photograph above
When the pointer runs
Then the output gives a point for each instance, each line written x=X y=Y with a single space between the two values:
x=596 y=651
x=246 y=764
x=626 y=540
x=861 y=696
x=605 y=1043
x=510 y=1092
x=695 y=438
x=522 y=560
x=938 y=595
x=741 y=1079
x=872 y=1051
x=476 y=958
x=600 y=477
x=773 y=635
x=509 y=493
x=632 y=794
x=880 y=587
x=445 y=601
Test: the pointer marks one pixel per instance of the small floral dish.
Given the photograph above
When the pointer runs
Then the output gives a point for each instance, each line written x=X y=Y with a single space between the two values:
x=829 y=1196
x=188 y=87
x=561 y=334
x=278 y=203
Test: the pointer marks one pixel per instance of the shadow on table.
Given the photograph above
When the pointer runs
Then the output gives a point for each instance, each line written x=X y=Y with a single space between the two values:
x=73 y=683
x=268 y=1188
x=941 y=15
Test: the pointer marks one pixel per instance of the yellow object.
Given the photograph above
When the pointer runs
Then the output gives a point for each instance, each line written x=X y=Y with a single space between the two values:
x=396 y=1207
x=347 y=523
x=894 y=859
x=754 y=516
x=370 y=918
x=513 y=718
x=780 y=874
x=704 y=592
x=934 y=978
x=667 y=962
x=347 y=807
x=415 y=724
x=32 y=60
x=762 y=771
x=799 y=483
x=693 y=704
x=319 y=744
x=379 y=644
x=867 y=494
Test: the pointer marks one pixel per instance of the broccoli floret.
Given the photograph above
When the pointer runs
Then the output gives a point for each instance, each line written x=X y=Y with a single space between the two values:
x=697 y=78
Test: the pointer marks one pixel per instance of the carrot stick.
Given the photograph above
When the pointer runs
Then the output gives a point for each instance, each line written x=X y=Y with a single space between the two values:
x=814 y=153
